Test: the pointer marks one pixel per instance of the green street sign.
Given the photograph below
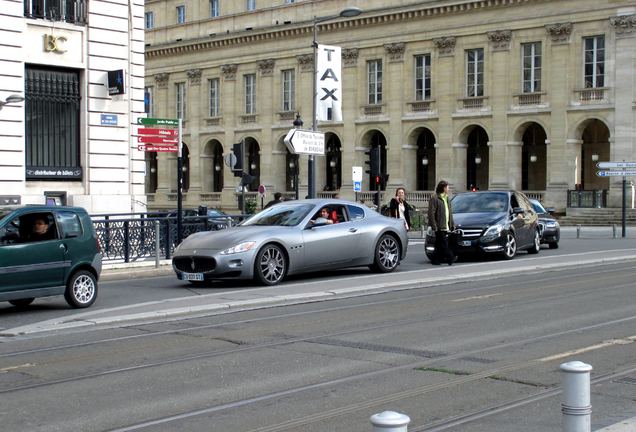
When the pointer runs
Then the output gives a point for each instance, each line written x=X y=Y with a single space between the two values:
x=158 y=121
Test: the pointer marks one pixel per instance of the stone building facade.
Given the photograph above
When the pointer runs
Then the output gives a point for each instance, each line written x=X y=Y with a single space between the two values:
x=69 y=141
x=523 y=94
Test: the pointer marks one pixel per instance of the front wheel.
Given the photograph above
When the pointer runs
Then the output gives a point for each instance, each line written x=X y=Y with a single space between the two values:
x=81 y=289
x=510 y=247
x=270 y=266
x=536 y=244
x=24 y=302
x=387 y=254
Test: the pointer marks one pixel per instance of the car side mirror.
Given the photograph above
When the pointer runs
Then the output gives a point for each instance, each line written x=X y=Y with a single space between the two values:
x=550 y=210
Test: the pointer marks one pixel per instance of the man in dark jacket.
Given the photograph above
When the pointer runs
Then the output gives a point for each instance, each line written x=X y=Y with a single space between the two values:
x=440 y=219
x=278 y=198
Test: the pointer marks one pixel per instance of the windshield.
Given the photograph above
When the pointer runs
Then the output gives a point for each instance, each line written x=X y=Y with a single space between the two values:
x=536 y=205
x=281 y=215
x=480 y=202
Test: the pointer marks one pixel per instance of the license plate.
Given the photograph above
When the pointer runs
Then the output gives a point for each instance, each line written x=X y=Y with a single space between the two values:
x=192 y=276
x=465 y=243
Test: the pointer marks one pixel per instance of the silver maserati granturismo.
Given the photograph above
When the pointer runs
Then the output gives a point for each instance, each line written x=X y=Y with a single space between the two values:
x=294 y=237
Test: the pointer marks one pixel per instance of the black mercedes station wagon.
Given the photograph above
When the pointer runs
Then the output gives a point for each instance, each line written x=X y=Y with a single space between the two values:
x=492 y=222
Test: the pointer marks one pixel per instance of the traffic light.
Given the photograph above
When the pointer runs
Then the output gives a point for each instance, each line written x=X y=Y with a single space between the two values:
x=237 y=149
x=385 y=181
x=374 y=161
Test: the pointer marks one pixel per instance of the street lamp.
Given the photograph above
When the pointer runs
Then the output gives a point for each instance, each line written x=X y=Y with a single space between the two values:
x=348 y=12
x=14 y=98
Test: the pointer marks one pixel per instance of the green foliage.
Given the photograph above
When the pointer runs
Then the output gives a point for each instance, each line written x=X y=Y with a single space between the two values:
x=250 y=206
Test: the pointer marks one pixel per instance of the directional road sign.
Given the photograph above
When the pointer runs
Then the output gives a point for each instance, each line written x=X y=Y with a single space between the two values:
x=156 y=140
x=157 y=148
x=299 y=141
x=159 y=132
x=149 y=121
x=617 y=173
x=614 y=165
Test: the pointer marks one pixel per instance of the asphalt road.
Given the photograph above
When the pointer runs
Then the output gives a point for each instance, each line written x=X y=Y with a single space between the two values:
x=129 y=290
x=475 y=356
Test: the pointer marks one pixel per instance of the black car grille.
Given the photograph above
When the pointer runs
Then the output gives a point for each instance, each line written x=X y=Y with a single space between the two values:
x=469 y=233
x=196 y=264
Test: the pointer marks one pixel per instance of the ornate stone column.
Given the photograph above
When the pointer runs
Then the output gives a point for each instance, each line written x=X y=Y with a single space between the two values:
x=196 y=102
x=401 y=173
x=448 y=149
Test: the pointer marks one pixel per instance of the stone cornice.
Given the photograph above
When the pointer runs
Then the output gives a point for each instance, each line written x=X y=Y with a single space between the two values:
x=306 y=29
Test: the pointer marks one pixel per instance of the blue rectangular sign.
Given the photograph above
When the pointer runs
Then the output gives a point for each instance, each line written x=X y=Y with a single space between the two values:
x=357 y=186
x=109 y=119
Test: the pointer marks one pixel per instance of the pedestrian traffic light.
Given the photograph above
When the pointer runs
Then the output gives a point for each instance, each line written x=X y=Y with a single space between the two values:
x=374 y=161
x=237 y=150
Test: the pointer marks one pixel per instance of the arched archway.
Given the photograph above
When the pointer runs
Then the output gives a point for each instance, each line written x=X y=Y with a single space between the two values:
x=426 y=160
x=595 y=147
x=477 y=158
x=533 y=158
x=333 y=166
x=213 y=157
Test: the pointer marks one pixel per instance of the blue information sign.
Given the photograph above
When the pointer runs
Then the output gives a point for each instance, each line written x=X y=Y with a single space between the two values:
x=357 y=186
x=109 y=119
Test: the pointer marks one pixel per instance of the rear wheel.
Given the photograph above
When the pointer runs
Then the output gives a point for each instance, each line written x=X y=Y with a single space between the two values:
x=387 y=254
x=270 y=266
x=22 y=302
x=536 y=245
x=510 y=247
x=81 y=289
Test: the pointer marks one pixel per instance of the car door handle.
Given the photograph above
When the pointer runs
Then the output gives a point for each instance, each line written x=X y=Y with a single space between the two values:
x=352 y=230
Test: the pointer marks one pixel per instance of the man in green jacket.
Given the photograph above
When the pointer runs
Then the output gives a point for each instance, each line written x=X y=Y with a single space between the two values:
x=440 y=219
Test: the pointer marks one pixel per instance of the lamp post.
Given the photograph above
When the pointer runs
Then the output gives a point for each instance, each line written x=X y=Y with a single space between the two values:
x=311 y=168
x=14 y=98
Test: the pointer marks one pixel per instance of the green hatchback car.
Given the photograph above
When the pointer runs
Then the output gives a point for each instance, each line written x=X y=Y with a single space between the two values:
x=46 y=251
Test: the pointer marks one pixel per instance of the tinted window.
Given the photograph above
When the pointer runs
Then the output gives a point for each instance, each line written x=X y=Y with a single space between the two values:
x=480 y=202
x=10 y=233
x=281 y=215
x=36 y=227
x=355 y=213
x=70 y=224
x=536 y=205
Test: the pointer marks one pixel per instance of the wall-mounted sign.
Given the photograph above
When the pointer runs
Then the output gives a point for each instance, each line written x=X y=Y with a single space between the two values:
x=53 y=173
x=54 y=43
x=109 y=119
x=116 y=82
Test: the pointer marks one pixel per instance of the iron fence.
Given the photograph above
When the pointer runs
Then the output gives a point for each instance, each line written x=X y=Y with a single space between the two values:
x=132 y=236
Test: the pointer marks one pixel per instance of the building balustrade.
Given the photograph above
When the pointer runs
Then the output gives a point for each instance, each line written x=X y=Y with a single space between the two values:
x=248 y=118
x=526 y=99
x=424 y=105
x=470 y=103
x=372 y=109
x=590 y=95
x=286 y=115
x=210 y=197
x=213 y=121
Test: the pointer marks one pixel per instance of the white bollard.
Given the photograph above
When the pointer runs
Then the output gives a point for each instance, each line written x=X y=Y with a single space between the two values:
x=390 y=421
x=576 y=407
x=578 y=231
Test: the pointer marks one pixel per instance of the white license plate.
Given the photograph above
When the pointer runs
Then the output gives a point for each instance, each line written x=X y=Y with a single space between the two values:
x=465 y=243
x=192 y=276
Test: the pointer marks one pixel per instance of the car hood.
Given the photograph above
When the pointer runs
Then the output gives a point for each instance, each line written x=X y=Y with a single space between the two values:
x=546 y=217
x=218 y=240
x=479 y=219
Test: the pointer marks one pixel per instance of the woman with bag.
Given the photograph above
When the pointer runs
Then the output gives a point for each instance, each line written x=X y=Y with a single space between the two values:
x=399 y=208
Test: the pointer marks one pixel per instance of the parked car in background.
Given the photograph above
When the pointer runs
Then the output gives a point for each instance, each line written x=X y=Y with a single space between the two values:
x=46 y=251
x=549 y=226
x=492 y=222
x=291 y=238
x=216 y=218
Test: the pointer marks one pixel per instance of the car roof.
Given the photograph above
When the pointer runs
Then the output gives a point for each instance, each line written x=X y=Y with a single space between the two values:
x=42 y=208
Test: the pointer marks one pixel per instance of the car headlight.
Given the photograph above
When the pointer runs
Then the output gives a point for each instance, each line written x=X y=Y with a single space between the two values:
x=241 y=247
x=551 y=224
x=493 y=231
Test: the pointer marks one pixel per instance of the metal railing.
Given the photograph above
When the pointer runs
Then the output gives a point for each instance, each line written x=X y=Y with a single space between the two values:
x=588 y=198
x=131 y=236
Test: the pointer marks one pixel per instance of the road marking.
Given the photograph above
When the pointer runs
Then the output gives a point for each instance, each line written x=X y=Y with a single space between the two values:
x=477 y=297
x=10 y=368
x=604 y=344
